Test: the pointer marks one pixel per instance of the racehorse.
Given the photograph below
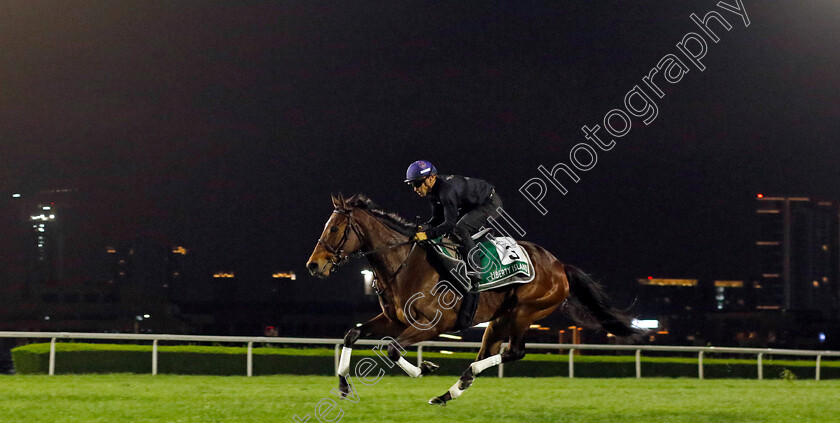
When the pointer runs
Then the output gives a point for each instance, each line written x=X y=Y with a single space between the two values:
x=404 y=272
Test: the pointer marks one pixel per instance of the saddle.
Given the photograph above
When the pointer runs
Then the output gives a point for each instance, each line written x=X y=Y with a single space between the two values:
x=503 y=263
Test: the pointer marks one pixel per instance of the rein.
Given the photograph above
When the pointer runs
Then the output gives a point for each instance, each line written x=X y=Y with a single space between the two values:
x=360 y=254
x=337 y=259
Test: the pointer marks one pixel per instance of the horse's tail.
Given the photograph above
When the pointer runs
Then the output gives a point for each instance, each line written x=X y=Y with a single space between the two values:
x=590 y=306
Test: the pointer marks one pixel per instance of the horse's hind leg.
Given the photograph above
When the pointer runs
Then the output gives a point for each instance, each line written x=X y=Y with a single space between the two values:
x=488 y=356
x=494 y=335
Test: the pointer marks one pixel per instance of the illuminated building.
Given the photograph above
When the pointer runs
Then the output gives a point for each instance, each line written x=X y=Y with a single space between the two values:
x=730 y=295
x=797 y=255
x=60 y=272
x=57 y=265
x=674 y=303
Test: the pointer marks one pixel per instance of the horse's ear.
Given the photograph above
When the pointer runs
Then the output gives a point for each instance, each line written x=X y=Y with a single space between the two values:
x=338 y=202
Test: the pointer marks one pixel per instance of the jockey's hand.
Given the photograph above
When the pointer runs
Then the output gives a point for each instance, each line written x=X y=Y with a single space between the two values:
x=420 y=236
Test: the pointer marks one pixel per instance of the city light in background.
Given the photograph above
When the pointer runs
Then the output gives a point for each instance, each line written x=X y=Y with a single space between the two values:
x=646 y=324
x=204 y=203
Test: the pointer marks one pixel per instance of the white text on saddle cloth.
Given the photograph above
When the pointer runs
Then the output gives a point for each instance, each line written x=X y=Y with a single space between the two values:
x=508 y=250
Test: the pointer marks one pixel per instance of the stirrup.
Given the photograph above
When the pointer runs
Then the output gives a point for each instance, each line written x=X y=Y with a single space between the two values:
x=475 y=280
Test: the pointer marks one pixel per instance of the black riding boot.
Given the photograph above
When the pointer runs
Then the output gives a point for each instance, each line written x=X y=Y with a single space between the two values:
x=474 y=273
x=467 y=311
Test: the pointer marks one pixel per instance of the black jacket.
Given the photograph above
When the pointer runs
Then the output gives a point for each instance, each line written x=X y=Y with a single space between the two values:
x=453 y=196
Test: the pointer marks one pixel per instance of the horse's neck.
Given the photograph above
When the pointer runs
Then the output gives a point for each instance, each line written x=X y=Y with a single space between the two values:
x=388 y=260
x=392 y=265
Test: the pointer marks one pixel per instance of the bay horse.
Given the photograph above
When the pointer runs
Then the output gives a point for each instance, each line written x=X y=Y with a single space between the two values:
x=403 y=272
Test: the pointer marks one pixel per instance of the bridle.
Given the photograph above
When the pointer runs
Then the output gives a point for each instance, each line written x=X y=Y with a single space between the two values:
x=337 y=251
x=339 y=257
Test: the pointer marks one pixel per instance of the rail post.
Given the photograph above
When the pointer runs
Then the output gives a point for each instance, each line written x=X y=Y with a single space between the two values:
x=337 y=355
x=154 y=357
x=419 y=355
x=818 y=367
x=760 y=367
x=571 y=363
x=501 y=365
x=250 y=360
x=52 y=356
x=638 y=364
x=700 y=365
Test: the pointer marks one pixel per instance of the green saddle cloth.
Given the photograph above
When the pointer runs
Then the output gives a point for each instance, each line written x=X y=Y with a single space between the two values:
x=504 y=262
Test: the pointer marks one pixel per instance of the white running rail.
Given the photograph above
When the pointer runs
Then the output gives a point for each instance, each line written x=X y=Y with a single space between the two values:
x=154 y=338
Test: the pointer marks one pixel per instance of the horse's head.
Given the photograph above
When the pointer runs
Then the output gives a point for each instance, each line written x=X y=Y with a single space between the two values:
x=340 y=238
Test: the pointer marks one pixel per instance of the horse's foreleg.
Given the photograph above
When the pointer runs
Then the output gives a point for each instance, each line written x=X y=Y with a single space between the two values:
x=378 y=326
x=408 y=337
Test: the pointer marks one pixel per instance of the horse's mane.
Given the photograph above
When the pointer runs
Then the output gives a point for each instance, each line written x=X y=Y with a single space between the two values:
x=392 y=220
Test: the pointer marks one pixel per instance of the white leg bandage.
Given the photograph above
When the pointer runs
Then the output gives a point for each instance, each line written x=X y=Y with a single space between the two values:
x=480 y=366
x=344 y=362
x=455 y=391
x=409 y=368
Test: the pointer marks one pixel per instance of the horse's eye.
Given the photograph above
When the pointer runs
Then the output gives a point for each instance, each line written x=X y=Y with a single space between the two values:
x=334 y=229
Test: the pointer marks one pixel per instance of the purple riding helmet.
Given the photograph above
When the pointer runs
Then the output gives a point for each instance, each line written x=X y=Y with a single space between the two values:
x=419 y=170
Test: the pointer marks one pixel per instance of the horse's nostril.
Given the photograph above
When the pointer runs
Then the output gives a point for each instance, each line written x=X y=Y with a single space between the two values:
x=312 y=266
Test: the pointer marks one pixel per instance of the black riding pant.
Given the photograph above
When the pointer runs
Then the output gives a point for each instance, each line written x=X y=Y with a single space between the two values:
x=473 y=220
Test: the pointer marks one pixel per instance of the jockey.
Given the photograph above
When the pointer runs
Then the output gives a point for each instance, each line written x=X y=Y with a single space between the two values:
x=460 y=205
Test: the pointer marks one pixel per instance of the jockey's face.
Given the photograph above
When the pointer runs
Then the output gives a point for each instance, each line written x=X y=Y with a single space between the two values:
x=426 y=186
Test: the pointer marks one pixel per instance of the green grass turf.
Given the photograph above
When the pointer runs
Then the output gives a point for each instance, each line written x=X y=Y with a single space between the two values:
x=116 y=398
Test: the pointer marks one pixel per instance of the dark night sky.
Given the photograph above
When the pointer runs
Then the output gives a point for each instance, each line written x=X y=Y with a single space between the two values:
x=225 y=127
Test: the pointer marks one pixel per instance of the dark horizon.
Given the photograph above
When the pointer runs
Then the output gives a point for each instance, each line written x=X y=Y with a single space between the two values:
x=225 y=128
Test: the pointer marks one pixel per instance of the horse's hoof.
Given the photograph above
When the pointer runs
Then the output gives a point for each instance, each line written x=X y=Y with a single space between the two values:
x=437 y=401
x=427 y=367
x=343 y=387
